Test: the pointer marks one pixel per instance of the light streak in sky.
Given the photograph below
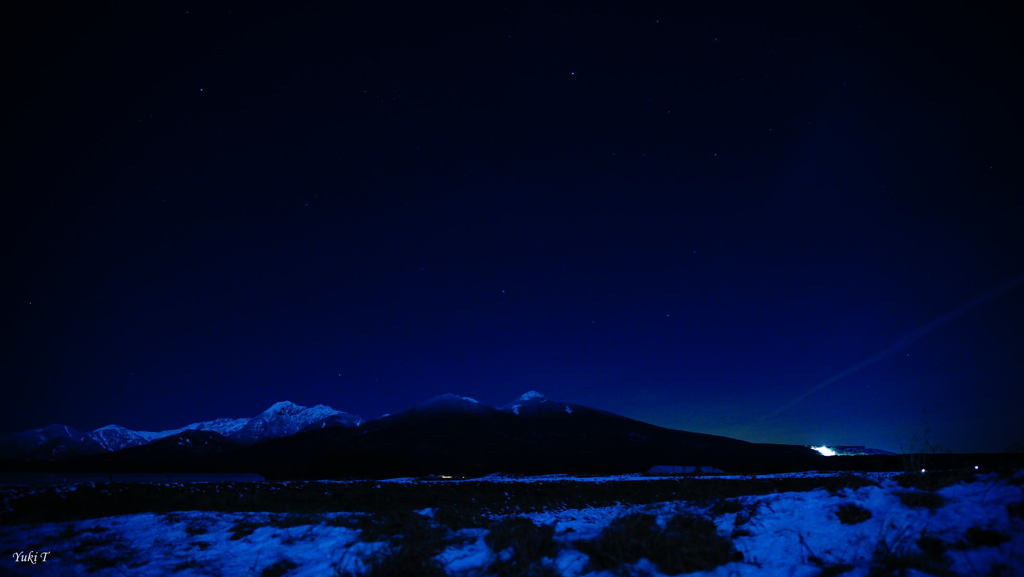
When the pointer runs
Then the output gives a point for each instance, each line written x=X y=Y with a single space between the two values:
x=900 y=344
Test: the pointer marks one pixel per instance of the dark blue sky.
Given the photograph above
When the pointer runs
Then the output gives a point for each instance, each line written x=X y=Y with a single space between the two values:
x=689 y=216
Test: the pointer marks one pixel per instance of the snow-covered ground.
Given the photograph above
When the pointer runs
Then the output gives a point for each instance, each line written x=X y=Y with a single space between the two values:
x=505 y=478
x=970 y=528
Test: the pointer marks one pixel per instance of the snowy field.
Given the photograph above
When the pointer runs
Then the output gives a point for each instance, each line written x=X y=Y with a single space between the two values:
x=882 y=525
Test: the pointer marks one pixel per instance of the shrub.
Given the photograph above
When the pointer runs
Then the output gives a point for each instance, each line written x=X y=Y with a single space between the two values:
x=535 y=569
x=414 y=541
x=685 y=545
x=243 y=529
x=460 y=517
x=935 y=480
x=849 y=481
x=933 y=547
x=744 y=516
x=625 y=540
x=889 y=560
x=186 y=565
x=70 y=531
x=694 y=544
x=726 y=506
x=96 y=563
x=89 y=544
x=308 y=535
x=338 y=521
x=105 y=552
x=740 y=533
x=403 y=525
x=921 y=499
x=527 y=544
x=279 y=568
x=852 y=513
x=831 y=569
x=405 y=559
x=977 y=537
x=102 y=500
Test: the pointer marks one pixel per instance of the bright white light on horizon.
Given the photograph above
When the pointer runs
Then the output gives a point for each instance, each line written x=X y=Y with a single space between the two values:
x=825 y=451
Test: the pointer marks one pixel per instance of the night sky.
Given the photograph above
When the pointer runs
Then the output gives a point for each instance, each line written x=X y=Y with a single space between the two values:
x=799 y=225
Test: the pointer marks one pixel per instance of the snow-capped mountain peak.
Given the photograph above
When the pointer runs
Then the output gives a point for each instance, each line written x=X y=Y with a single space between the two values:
x=527 y=398
x=531 y=396
x=534 y=402
x=284 y=407
x=115 y=437
x=287 y=418
x=280 y=419
x=227 y=427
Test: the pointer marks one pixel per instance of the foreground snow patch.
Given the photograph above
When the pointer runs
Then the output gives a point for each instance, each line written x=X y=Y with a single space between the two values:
x=970 y=528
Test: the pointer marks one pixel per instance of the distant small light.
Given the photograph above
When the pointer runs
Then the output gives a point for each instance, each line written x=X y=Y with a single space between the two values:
x=922 y=470
x=825 y=451
x=975 y=467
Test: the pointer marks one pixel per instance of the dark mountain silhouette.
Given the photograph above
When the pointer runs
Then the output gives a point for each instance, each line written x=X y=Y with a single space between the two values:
x=190 y=450
x=51 y=442
x=459 y=436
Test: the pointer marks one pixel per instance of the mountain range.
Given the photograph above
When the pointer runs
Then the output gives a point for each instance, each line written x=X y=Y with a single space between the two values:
x=446 y=434
x=54 y=442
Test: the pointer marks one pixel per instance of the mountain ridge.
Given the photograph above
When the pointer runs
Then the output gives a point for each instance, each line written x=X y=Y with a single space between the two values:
x=57 y=441
x=446 y=433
